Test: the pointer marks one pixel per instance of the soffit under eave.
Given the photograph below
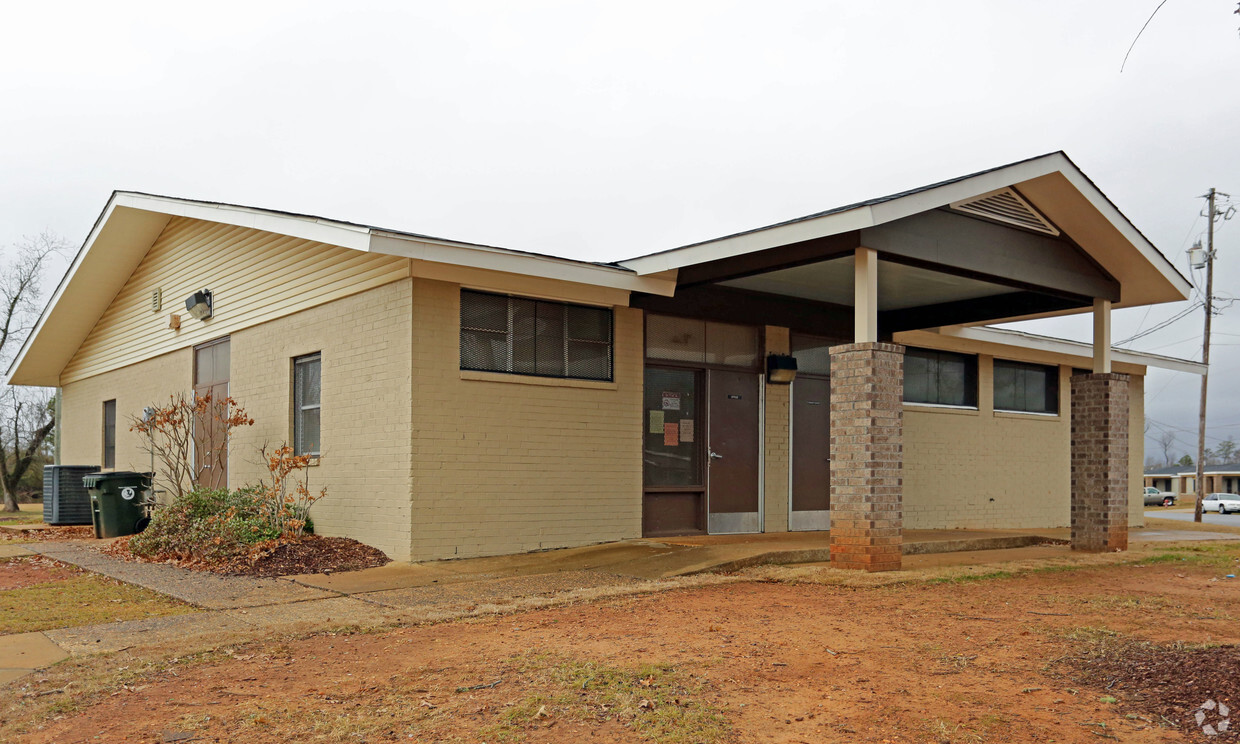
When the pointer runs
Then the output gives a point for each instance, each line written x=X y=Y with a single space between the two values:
x=1142 y=282
x=99 y=272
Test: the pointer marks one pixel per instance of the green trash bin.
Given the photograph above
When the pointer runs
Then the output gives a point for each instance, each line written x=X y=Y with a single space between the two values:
x=118 y=502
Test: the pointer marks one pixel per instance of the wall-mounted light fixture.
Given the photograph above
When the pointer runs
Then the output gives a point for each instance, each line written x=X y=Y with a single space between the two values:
x=781 y=369
x=198 y=305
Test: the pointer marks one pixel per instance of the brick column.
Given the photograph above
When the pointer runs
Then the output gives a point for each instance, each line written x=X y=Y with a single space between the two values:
x=867 y=455
x=1100 y=462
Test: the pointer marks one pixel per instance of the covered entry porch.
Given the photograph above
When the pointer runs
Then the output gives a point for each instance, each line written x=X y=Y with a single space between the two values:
x=838 y=292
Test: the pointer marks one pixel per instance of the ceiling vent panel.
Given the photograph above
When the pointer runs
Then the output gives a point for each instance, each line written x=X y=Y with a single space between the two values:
x=1005 y=205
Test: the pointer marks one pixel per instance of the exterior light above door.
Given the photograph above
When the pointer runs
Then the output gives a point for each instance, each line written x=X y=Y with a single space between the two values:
x=781 y=369
x=198 y=305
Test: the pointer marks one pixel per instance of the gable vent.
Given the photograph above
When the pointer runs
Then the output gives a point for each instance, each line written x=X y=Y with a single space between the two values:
x=1005 y=205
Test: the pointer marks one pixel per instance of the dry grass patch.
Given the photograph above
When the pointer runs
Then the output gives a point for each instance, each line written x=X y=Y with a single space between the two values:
x=85 y=599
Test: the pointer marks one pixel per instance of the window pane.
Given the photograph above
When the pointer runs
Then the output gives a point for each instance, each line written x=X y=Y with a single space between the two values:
x=813 y=354
x=952 y=381
x=524 y=321
x=549 y=342
x=676 y=339
x=1005 y=387
x=204 y=366
x=308 y=433
x=109 y=434
x=731 y=344
x=524 y=336
x=484 y=311
x=307 y=394
x=670 y=398
x=309 y=383
x=589 y=360
x=917 y=378
x=941 y=377
x=588 y=323
x=484 y=350
x=1032 y=388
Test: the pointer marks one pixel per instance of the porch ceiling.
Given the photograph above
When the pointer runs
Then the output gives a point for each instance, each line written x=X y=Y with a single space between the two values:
x=900 y=286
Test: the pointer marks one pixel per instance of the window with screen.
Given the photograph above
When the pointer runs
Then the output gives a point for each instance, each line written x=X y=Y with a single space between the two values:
x=307 y=403
x=940 y=378
x=1026 y=388
x=109 y=433
x=522 y=336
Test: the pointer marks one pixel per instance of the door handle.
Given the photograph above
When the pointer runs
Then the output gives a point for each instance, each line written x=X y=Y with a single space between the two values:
x=716 y=456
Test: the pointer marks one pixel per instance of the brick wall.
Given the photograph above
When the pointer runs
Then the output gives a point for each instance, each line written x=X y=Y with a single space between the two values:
x=867 y=386
x=364 y=340
x=505 y=463
x=776 y=440
x=1100 y=463
x=133 y=388
x=365 y=417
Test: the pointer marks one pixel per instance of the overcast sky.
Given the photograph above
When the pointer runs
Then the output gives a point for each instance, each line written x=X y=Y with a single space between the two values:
x=607 y=131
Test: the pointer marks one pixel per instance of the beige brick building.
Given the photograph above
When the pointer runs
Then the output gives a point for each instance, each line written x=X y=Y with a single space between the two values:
x=462 y=400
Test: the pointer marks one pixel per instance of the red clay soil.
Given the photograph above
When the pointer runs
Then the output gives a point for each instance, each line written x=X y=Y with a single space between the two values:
x=17 y=573
x=999 y=660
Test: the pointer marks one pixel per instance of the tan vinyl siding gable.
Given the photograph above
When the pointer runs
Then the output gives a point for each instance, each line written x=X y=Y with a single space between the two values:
x=255 y=277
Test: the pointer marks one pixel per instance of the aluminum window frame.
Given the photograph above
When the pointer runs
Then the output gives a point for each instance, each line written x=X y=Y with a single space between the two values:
x=971 y=378
x=300 y=406
x=1051 y=385
x=567 y=340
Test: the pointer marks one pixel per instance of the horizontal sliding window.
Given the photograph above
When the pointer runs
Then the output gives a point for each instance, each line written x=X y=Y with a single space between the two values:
x=535 y=337
x=1026 y=388
x=940 y=377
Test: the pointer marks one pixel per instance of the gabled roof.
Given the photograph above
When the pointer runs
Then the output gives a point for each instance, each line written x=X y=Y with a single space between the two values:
x=1051 y=183
x=132 y=221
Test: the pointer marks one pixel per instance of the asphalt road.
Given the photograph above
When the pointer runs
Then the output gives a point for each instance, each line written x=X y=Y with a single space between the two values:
x=1231 y=520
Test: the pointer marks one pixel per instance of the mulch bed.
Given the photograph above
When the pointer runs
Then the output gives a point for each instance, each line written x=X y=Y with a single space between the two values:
x=315 y=554
x=1170 y=683
x=310 y=554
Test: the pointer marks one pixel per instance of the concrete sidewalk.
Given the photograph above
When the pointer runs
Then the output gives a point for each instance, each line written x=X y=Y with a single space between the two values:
x=237 y=608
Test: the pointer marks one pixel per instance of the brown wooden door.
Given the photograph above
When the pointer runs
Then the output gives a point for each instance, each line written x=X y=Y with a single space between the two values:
x=211 y=363
x=732 y=452
x=811 y=450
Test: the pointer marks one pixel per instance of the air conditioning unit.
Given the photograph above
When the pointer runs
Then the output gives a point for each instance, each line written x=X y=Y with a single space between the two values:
x=65 y=499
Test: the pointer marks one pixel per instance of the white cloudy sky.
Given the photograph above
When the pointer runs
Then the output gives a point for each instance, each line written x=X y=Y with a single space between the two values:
x=603 y=131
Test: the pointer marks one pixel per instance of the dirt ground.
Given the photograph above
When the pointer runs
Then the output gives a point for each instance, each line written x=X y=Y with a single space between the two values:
x=18 y=573
x=996 y=659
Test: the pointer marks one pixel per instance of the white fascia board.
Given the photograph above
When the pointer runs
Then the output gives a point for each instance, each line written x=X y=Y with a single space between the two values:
x=498 y=259
x=853 y=219
x=61 y=287
x=750 y=242
x=1147 y=250
x=319 y=230
x=1069 y=348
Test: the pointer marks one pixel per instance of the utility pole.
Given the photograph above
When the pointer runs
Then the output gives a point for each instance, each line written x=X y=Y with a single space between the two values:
x=1205 y=356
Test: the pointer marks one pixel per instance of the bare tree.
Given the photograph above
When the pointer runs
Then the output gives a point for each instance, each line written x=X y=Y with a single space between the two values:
x=26 y=415
x=1166 y=440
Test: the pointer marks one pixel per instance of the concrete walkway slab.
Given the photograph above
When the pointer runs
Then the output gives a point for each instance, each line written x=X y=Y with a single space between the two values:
x=156 y=631
x=199 y=588
x=494 y=591
x=14 y=551
x=28 y=651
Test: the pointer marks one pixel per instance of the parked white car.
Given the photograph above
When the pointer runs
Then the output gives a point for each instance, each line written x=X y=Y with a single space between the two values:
x=1223 y=503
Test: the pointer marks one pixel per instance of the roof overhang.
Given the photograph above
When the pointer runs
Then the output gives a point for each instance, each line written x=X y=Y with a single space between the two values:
x=1051 y=184
x=1064 y=347
x=131 y=222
